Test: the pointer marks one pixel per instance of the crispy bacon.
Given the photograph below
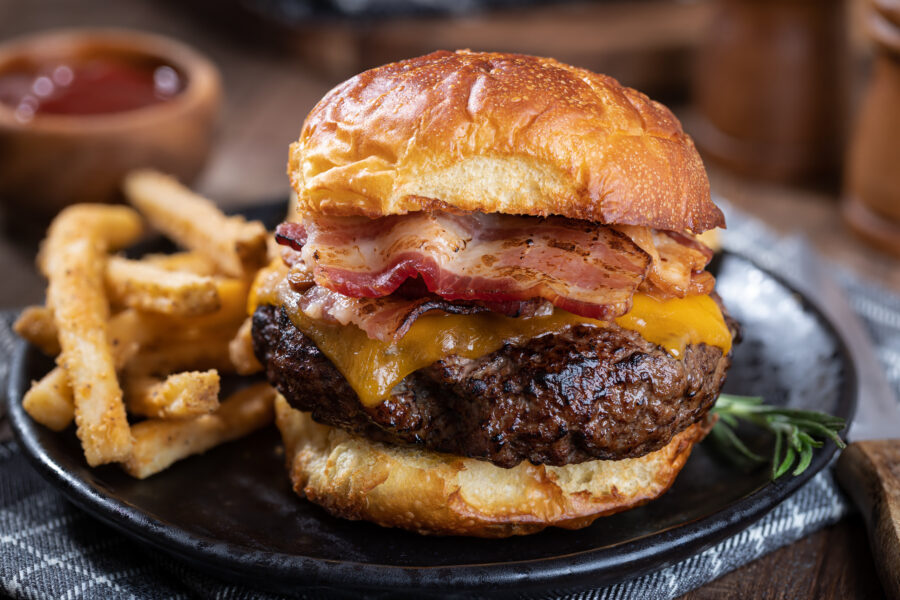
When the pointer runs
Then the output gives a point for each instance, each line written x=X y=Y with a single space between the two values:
x=292 y=235
x=389 y=318
x=581 y=267
x=431 y=254
x=386 y=319
x=678 y=262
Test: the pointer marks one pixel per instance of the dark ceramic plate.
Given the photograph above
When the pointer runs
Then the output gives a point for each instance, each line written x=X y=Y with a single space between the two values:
x=231 y=512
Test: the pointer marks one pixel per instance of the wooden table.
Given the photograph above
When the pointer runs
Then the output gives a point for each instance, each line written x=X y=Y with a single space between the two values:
x=268 y=93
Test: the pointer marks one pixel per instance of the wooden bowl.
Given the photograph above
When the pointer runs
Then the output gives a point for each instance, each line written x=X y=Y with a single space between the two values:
x=55 y=160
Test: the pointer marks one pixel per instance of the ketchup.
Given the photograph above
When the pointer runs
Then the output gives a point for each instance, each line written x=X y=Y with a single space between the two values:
x=89 y=87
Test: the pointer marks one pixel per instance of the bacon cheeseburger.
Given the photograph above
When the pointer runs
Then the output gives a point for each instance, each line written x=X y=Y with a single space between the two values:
x=491 y=314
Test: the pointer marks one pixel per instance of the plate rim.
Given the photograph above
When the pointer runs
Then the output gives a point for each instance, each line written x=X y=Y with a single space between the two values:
x=279 y=570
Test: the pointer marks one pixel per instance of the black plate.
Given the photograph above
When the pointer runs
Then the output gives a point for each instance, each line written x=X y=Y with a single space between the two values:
x=231 y=512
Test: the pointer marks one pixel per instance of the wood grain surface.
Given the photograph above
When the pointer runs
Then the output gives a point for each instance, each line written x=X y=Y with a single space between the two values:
x=826 y=565
x=268 y=92
x=869 y=472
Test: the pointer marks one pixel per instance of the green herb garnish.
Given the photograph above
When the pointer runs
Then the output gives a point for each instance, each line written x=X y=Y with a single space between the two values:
x=795 y=431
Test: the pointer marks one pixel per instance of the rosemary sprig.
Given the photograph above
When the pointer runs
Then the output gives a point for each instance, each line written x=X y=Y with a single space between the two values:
x=795 y=431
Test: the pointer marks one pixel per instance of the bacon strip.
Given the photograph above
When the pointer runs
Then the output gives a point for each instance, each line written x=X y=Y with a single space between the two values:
x=678 y=262
x=581 y=267
x=389 y=318
x=292 y=235
x=385 y=319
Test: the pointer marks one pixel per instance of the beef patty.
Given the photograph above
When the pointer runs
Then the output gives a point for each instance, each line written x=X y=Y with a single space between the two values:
x=582 y=394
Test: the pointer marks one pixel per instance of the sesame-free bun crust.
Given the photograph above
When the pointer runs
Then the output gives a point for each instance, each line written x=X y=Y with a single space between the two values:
x=433 y=493
x=503 y=133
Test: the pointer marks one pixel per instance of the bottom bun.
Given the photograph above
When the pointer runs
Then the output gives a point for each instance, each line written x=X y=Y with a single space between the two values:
x=431 y=493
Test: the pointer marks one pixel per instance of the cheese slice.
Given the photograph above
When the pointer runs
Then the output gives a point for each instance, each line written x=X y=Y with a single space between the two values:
x=675 y=323
x=373 y=368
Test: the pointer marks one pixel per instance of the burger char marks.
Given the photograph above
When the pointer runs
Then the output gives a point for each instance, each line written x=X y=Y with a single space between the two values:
x=583 y=394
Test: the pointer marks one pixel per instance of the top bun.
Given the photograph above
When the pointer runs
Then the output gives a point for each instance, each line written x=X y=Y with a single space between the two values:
x=503 y=133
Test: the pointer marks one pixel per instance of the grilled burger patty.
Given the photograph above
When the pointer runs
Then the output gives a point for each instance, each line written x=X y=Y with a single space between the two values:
x=582 y=394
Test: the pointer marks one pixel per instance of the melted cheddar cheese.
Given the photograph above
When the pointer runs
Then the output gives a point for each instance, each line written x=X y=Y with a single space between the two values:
x=675 y=323
x=373 y=368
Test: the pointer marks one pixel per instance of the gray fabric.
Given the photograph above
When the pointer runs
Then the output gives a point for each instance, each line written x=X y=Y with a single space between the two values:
x=880 y=311
x=49 y=549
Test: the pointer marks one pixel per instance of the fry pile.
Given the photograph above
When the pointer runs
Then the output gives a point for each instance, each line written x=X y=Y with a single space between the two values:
x=149 y=338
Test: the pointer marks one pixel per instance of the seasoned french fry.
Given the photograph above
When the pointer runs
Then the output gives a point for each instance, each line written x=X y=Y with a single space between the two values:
x=174 y=355
x=240 y=349
x=174 y=344
x=133 y=331
x=179 y=396
x=120 y=227
x=50 y=402
x=129 y=331
x=224 y=323
x=237 y=246
x=159 y=443
x=36 y=325
x=153 y=344
x=74 y=260
x=187 y=262
x=232 y=311
x=150 y=288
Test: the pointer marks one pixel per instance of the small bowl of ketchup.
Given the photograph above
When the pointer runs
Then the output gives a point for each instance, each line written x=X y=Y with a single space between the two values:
x=80 y=108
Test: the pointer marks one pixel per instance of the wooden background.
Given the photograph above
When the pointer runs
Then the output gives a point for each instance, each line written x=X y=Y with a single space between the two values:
x=272 y=77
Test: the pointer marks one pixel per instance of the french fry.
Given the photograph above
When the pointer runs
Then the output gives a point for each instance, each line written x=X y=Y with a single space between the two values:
x=223 y=324
x=152 y=344
x=237 y=246
x=173 y=355
x=240 y=349
x=129 y=331
x=184 y=312
x=141 y=285
x=120 y=227
x=173 y=344
x=187 y=262
x=74 y=259
x=179 y=396
x=36 y=325
x=143 y=345
x=159 y=443
x=50 y=401
x=134 y=331
x=231 y=313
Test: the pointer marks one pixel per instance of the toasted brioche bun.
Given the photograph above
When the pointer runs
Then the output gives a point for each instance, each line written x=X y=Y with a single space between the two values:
x=433 y=493
x=501 y=133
